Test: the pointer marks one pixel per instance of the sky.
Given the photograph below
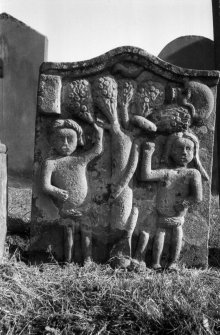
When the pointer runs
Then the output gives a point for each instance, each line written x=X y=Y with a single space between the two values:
x=82 y=29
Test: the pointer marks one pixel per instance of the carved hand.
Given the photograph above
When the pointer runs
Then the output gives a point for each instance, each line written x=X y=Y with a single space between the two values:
x=115 y=191
x=98 y=128
x=62 y=195
x=181 y=206
x=58 y=123
x=97 y=136
x=149 y=146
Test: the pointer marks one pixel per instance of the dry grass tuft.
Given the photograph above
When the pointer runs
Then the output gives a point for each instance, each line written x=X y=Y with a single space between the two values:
x=96 y=299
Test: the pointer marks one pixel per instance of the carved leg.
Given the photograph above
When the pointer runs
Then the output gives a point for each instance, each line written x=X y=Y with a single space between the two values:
x=121 y=251
x=121 y=210
x=86 y=238
x=142 y=246
x=158 y=247
x=176 y=245
x=138 y=262
x=68 y=242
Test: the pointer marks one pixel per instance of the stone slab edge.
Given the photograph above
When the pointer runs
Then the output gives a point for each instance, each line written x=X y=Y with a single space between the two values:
x=155 y=64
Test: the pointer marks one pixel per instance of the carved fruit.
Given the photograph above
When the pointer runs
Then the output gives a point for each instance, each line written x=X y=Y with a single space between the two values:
x=126 y=90
x=79 y=100
x=149 y=95
x=171 y=119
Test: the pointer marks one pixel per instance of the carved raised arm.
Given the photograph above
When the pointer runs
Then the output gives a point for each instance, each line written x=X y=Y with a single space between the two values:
x=147 y=174
x=98 y=146
x=196 y=187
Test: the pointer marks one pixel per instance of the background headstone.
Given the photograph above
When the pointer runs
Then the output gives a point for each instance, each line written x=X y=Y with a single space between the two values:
x=22 y=50
x=192 y=52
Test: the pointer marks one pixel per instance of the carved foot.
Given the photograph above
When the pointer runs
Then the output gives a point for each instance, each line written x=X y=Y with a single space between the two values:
x=120 y=253
x=87 y=261
x=157 y=267
x=137 y=266
x=120 y=262
x=70 y=213
x=173 y=267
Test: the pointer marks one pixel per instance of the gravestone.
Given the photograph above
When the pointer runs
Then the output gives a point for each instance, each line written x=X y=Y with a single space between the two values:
x=22 y=50
x=191 y=51
x=3 y=199
x=123 y=159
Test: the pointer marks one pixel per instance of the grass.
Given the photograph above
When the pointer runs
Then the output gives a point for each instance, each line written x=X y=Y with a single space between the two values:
x=95 y=299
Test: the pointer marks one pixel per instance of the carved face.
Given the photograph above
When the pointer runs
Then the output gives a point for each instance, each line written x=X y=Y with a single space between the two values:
x=64 y=141
x=182 y=151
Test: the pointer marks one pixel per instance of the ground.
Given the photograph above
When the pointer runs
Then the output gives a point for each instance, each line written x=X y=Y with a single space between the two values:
x=95 y=299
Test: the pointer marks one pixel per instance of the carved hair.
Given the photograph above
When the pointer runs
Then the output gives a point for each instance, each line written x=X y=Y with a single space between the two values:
x=67 y=124
x=170 y=142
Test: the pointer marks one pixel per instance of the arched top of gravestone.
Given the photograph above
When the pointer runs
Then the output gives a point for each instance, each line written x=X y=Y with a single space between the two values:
x=190 y=51
x=129 y=55
x=15 y=23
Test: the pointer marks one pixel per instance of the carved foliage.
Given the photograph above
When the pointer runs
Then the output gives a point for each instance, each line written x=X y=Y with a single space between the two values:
x=149 y=95
x=126 y=91
x=105 y=96
x=171 y=119
x=79 y=99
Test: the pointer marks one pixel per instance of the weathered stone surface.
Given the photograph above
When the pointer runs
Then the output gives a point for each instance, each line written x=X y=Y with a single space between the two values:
x=90 y=198
x=3 y=198
x=22 y=50
x=49 y=94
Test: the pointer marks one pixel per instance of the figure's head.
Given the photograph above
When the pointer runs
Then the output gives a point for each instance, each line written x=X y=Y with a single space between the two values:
x=183 y=148
x=182 y=151
x=64 y=135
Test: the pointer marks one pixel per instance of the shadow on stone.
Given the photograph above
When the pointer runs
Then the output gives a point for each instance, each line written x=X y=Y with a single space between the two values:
x=214 y=257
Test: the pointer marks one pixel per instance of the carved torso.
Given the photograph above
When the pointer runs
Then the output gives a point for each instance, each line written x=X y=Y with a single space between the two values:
x=69 y=173
x=175 y=187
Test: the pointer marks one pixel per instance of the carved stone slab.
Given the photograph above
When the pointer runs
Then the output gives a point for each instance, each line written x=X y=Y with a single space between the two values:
x=123 y=159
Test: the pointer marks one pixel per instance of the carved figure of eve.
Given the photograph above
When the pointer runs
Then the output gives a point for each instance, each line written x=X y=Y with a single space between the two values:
x=179 y=187
x=64 y=179
x=124 y=160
